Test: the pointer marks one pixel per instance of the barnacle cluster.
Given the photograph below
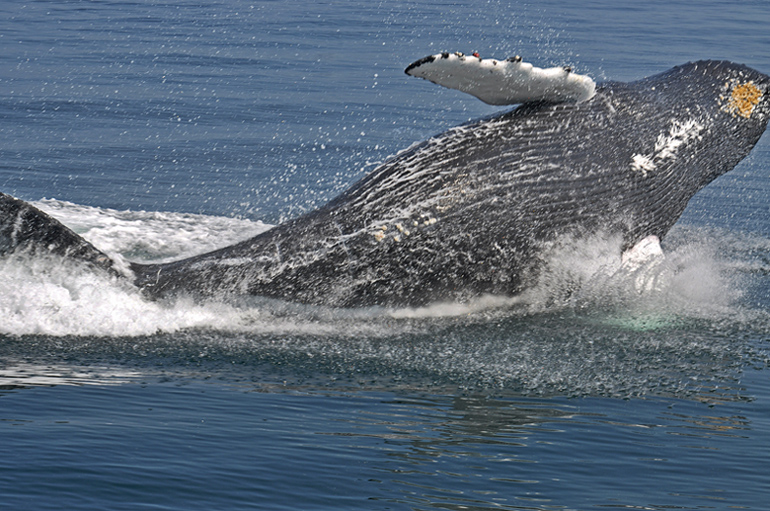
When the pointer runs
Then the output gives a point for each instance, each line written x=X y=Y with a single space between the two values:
x=743 y=98
x=402 y=230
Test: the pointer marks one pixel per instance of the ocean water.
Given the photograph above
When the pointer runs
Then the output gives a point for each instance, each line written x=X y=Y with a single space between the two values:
x=167 y=129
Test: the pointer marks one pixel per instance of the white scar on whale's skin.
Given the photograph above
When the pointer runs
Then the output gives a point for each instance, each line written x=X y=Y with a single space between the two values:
x=503 y=82
x=666 y=145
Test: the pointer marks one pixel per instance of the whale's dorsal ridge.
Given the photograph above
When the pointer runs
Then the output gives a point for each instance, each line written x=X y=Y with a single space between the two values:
x=503 y=82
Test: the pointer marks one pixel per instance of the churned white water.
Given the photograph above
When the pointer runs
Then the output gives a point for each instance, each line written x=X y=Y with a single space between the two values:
x=53 y=296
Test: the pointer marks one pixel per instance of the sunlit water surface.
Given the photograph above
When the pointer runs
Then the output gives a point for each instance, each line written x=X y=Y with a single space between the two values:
x=159 y=131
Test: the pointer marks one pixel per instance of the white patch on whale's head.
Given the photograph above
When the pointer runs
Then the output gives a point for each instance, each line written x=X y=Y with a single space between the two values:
x=642 y=163
x=667 y=145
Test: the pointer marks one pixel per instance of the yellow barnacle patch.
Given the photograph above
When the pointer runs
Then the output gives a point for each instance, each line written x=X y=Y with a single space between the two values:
x=743 y=98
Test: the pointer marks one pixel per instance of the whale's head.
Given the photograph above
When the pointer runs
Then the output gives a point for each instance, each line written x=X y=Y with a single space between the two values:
x=742 y=97
x=711 y=113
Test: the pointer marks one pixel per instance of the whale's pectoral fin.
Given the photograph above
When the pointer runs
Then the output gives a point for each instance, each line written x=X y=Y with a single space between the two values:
x=24 y=228
x=641 y=264
x=643 y=252
x=503 y=82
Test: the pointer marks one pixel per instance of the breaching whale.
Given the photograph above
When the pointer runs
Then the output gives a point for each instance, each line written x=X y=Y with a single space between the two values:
x=476 y=210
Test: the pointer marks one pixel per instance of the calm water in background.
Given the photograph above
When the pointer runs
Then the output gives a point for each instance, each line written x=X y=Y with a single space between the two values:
x=166 y=129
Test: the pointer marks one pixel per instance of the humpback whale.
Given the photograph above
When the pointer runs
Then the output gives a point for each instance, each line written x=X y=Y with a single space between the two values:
x=475 y=210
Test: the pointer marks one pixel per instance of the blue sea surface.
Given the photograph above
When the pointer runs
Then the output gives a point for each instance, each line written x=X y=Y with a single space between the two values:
x=159 y=130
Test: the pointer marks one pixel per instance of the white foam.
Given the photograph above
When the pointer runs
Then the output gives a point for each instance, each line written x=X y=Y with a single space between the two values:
x=151 y=236
x=51 y=296
x=450 y=309
x=61 y=373
x=690 y=280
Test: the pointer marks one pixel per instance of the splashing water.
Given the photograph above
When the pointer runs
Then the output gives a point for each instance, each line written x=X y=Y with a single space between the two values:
x=678 y=324
x=692 y=281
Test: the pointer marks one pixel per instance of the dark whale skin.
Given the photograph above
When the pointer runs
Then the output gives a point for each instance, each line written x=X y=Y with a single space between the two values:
x=476 y=209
